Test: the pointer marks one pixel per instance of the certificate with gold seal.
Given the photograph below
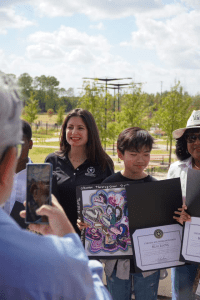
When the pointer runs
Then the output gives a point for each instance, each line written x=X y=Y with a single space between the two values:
x=157 y=247
x=155 y=235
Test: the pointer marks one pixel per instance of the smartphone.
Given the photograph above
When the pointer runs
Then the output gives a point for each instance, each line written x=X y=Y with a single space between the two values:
x=38 y=191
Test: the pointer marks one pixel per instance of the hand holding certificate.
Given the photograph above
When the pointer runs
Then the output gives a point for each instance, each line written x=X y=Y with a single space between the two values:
x=191 y=240
x=156 y=239
x=157 y=247
x=191 y=237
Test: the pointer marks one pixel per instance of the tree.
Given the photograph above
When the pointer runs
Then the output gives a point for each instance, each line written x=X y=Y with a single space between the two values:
x=174 y=112
x=47 y=91
x=60 y=115
x=25 y=82
x=31 y=109
x=135 y=110
x=93 y=99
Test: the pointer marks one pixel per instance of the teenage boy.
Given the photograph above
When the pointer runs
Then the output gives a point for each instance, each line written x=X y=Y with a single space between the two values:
x=19 y=185
x=34 y=266
x=133 y=147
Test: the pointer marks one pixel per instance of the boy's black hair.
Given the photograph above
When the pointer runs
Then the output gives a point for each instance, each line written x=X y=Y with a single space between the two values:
x=27 y=131
x=133 y=139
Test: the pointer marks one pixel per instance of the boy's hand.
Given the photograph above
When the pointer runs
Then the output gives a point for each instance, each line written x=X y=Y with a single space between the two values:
x=82 y=225
x=59 y=223
x=183 y=216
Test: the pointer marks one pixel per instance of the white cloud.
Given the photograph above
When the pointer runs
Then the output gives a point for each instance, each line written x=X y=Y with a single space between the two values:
x=96 y=10
x=4 y=3
x=8 y=19
x=68 y=42
x=98 y=26
x=70 y=75
x=176 y=40
x=44 y=51
x=192 y=3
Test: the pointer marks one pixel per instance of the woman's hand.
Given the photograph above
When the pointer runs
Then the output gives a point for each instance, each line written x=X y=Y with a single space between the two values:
x=59 y=223
x=183 y=216
x=82 y=225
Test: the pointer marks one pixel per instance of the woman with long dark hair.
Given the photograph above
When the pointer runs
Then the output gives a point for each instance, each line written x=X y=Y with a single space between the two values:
x=81 y=160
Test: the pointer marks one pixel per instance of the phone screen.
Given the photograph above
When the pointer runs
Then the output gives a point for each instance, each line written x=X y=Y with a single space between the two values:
x=38 y=191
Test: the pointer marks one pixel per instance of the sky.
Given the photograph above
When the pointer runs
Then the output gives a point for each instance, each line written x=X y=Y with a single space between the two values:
x=155 y=42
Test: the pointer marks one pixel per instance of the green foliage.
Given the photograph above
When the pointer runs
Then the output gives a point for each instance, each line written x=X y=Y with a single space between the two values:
x=31 y=109
x=25 y=82
x=135 y=110
x=174 y=112
x=94 y=100
x=60 y=115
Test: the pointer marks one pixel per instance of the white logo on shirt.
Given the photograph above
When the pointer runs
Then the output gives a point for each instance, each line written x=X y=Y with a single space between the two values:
x=90 y=172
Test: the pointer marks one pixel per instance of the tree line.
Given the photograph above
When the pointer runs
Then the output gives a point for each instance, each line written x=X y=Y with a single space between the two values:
x=47 y=91
x=167 y=111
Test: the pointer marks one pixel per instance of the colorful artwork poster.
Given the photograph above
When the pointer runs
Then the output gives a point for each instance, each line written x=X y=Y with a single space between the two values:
x=104 y=210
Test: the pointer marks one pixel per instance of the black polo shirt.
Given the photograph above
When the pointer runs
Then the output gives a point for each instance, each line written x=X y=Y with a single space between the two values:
x=66 y=179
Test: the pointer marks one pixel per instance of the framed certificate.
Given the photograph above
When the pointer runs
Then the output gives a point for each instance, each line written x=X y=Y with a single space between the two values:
x=155 y=235
x=190 y=251
x=104 y=208
x=191 y=241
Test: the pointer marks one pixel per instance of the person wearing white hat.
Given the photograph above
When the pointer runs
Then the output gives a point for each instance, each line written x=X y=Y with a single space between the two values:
x=36 y=266
x=188 y=154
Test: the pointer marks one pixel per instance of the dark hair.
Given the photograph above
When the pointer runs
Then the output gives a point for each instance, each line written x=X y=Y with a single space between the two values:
x=120 y=214
x=94 y=150
x=181 y=145
x=133 y=139
x=33 y=188
x=27 y=131
x=39 y=186
x=104 y=197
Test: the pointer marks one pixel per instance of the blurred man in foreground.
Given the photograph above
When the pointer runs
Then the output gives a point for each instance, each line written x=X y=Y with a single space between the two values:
x=34 y=266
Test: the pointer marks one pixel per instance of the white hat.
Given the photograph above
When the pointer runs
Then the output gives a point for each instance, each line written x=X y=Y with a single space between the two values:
x=10 y=110
x=193 y=122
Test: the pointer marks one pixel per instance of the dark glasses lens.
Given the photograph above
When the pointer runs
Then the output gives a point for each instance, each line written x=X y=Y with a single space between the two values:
x=191 y=138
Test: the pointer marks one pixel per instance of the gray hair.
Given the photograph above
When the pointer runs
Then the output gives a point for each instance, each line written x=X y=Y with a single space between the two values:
x=10 y=110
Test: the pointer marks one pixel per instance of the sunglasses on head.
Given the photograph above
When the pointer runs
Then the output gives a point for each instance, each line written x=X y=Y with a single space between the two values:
x=192 y=137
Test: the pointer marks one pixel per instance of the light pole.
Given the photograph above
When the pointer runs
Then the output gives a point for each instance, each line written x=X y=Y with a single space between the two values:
x=118 y=86
x=106 y=82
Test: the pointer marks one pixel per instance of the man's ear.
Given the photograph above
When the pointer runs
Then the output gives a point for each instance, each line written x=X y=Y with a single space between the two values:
x=30 y=144
x=120 y=155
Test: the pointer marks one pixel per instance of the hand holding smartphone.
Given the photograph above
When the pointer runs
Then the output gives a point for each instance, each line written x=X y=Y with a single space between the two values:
x=39 y=177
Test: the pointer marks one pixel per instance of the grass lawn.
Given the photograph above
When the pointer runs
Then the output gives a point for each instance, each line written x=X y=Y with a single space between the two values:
x=44 y=118
x=42 y=143
x=38 y=155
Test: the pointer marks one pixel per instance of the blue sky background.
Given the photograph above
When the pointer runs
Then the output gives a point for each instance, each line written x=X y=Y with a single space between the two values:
x=151 y=41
